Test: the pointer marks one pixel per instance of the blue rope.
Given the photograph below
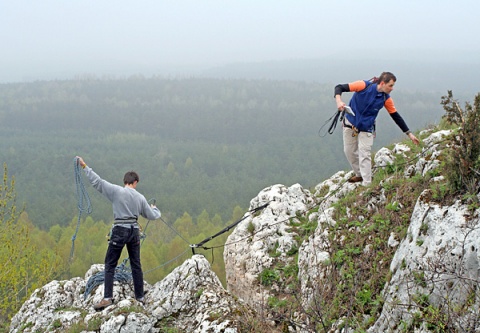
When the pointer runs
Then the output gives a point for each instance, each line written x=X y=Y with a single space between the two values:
x=122 y=275
x=83 y=200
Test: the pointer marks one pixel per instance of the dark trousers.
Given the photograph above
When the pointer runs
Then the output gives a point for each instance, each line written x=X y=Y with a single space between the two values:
x=120 y=237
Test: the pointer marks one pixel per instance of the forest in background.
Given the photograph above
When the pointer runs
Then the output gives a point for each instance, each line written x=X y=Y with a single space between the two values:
x=203 y=148
x=198 y=144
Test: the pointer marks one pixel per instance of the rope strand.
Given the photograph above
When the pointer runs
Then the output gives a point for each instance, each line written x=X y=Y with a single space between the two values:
x=337 y=117
x=84 y=204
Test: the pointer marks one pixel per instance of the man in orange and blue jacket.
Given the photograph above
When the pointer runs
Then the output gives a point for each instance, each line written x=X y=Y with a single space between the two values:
x=359 y=128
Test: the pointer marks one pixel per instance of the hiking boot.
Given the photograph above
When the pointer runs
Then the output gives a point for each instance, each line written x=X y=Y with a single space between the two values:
x=102 y=304
x=355 y=179
x=141 y=300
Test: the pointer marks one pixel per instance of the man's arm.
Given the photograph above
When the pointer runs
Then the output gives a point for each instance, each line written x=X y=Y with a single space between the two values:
x=150 y=212
x=98 y=183
x=339 y=89
x=347 y=87
x=397 y=118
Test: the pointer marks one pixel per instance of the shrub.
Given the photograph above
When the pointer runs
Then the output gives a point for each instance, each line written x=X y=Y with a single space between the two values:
x=462 y=166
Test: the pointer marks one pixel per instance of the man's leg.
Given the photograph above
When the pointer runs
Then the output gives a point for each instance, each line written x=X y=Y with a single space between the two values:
x=117 y=241
x=365 y=143
x=133 y=247
x=111 y=261
x=350 y=148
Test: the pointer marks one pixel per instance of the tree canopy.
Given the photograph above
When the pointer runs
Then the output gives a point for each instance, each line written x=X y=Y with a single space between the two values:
x=198 y=144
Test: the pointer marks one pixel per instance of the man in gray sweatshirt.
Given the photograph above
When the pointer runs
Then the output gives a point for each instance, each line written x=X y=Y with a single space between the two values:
x=128 y=205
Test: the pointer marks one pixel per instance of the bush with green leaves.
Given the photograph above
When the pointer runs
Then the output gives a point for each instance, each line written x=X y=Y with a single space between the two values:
x=24 y=264
x=462 y=166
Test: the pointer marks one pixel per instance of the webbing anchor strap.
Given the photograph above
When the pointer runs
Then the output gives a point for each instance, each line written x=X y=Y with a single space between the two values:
x=193 y=246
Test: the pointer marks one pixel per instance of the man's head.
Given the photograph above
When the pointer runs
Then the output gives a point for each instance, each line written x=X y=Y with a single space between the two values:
x=386 y=81
x=130 y=178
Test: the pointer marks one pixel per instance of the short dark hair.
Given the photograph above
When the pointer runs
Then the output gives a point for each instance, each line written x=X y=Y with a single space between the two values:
x=386 y=77
x=130 y=177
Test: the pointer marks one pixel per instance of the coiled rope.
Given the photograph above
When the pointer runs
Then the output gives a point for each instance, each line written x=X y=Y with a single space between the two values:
x=122 y=274
x=84 y=204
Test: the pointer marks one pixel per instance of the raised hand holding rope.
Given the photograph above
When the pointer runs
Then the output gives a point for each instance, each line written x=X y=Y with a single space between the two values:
x=83 y=200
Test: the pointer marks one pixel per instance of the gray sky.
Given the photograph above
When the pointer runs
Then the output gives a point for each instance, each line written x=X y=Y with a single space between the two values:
x=61 y=39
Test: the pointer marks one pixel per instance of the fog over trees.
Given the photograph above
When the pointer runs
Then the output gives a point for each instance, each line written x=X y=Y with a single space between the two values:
x=198 y=143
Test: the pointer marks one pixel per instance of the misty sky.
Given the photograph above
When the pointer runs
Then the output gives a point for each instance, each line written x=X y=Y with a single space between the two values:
x=60 y=39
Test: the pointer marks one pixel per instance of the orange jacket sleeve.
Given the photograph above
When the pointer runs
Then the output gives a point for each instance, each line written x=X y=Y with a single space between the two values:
x=390 y=106
x=357 y=85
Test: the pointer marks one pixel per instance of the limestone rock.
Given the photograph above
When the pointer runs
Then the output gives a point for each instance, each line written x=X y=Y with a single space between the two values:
x=192 y=294
x=247 y=249
x=439 y=259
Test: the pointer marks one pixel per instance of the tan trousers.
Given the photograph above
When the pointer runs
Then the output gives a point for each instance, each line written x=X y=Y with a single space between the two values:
x=358 y=150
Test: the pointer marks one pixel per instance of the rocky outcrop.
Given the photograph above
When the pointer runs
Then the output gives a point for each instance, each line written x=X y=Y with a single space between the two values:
x=316 y=249
x=190 y=299
x=437 y=263
x=436 y=267
x=247 y=250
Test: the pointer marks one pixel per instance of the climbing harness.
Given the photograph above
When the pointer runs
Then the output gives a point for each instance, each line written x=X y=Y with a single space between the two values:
x=83 y=200
x=355 y=130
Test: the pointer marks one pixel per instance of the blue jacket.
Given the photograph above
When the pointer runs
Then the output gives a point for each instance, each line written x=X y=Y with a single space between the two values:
x=366 y=104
